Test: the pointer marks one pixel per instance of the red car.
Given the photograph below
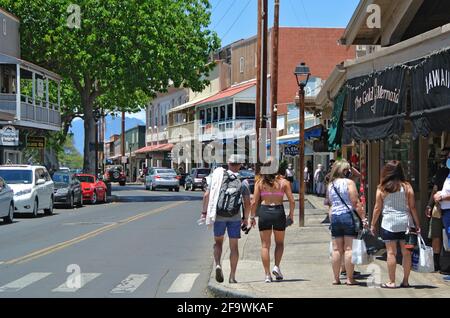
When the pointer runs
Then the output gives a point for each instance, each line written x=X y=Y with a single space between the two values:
x=93 y=189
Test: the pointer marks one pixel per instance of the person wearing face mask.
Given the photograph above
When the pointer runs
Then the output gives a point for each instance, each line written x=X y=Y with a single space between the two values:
x=443 y=198
x=436 y=225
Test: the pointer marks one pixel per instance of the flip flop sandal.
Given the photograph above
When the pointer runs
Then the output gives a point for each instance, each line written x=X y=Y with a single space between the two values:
x=385 y=285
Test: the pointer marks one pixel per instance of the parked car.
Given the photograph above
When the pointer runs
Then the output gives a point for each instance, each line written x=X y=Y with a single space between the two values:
x=67 y=190
x=195 y=179
x=33 y=188
x=115 y=174
x=162 y=178
x=6 y=202
x=92 y=188
x=63 y=169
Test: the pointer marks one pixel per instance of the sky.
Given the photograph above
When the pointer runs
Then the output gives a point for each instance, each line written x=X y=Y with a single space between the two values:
x=233 y=20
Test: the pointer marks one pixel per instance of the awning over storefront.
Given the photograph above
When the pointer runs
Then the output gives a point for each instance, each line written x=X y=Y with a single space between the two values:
x=335 y=131
x=155 y=148
x=294 y=139
x=228 y=93
x=376 y=107
x=431 y=94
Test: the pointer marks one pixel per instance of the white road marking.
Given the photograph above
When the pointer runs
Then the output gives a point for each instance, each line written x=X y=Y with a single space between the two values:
x=85 y=278
x=183 y=283
x=129 y=284
x=23 y=282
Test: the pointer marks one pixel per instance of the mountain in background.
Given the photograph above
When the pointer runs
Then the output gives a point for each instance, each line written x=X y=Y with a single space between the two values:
x=113 y=126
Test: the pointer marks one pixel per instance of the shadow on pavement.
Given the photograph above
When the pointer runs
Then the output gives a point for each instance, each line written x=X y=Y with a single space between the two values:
x=165 y=198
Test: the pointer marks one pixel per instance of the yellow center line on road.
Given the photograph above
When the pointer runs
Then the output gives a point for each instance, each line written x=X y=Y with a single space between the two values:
x=65 y=244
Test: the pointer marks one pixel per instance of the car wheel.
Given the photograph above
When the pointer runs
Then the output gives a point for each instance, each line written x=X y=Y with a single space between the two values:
x=35 y=208
x=49 y=211
x=94 y=198
x=80 y=201
x=10 y=218
x=71 y=201
x=177 y=189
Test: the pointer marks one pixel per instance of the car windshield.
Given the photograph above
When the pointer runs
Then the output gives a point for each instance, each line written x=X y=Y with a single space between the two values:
x=166 y=171
x=17 y=176
x=62 y=178
x=202 y=172
x=247 y=174
x=88 y=179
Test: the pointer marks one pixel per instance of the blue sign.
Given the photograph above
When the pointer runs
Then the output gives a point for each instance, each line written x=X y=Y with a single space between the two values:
x=291 y=150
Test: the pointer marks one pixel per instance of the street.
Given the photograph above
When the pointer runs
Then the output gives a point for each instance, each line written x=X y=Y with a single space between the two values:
x=146 y=245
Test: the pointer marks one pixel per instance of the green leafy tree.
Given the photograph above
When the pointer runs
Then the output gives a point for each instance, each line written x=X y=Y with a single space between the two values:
x=69 y=156
x=123 y=53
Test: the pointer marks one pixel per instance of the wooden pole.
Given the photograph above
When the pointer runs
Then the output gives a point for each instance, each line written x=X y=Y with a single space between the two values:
x=274 y=76
x=258 y=81
x=264 y=17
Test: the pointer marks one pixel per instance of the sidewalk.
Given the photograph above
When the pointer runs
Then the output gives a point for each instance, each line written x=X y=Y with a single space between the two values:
x=307 y=268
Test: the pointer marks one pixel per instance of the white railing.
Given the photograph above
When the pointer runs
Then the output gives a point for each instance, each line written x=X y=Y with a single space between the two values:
x=227 y=130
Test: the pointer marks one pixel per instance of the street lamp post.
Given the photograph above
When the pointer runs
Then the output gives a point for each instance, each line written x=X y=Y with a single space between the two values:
x=302 y=75
x=97 y=116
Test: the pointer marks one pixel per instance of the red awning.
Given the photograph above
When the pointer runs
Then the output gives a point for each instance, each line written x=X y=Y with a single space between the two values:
x=155 y=148
x=231 y=91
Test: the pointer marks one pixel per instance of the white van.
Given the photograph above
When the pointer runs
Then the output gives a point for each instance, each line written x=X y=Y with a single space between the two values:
x=33 y=188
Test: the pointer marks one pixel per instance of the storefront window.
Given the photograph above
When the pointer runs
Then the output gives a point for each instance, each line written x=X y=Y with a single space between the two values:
x=245 y=111
x=405 y=150
x=229 y=111
x=222 y=113
x=215 y=114
x=208 y=116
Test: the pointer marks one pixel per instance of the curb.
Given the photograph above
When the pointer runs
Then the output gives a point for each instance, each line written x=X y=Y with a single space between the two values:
x=112 y=198
x=222 y=292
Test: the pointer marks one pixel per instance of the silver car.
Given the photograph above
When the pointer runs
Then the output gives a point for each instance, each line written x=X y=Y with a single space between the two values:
x=162 y=178
x=6 y=202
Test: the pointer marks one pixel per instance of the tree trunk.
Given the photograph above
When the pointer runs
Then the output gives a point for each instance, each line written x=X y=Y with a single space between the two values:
x=89 y=135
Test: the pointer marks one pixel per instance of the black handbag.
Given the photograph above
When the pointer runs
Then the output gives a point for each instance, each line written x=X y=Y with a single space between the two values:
x=357 y=222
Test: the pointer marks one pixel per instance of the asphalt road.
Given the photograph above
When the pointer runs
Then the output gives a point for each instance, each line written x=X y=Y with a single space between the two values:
x=146 y=245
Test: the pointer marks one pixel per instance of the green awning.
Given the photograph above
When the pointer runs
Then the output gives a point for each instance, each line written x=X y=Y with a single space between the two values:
x=336 y=128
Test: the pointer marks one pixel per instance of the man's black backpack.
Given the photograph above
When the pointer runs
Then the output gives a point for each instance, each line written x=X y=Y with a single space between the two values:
x=230 y=196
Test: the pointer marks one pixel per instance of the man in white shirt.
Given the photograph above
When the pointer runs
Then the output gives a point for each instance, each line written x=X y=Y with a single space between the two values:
x=319 y=180
x=290 y=173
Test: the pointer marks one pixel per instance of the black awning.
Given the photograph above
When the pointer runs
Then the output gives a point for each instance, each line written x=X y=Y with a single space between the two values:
x=431 y=94
x=375 y=105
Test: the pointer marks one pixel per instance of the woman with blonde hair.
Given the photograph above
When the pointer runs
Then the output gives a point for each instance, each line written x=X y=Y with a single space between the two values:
x=395 y=200
x=343 y=199
x=269 y=193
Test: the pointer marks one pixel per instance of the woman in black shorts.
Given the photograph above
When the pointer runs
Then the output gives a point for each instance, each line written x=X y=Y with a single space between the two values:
x=268 y=200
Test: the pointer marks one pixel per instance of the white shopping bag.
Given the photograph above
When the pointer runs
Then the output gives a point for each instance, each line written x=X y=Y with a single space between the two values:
x=359 y=253
x=422 y=258
x=445 y=239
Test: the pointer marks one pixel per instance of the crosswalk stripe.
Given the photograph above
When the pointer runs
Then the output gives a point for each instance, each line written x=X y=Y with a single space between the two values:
x=73 y=285
x=129 y=284
x=183 y=283
x=23 y=282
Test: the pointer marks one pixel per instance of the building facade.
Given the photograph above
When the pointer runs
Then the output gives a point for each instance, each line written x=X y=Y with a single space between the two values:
x=29 y=99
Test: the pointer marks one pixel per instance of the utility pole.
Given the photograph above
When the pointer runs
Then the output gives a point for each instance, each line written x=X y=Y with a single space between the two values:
x=258 y=81
x=264 y=25
x=274 y=75
x=123 y=140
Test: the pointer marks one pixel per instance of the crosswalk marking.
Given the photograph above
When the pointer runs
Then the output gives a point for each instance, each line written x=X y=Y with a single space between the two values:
x=183 y=283
x=129 y=284
x=23 y=282
x=84 y=279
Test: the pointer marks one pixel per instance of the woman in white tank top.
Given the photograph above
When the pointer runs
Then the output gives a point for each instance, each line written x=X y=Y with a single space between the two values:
x=395 y=201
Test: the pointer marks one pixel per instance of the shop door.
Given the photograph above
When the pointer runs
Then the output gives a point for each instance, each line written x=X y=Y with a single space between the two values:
x=12 y=157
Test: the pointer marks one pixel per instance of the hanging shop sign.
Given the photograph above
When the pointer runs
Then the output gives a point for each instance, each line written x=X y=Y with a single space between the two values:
x=35 y=142
x=431 y=94
x=375 y=105
x=9 y=136
x=291 y=150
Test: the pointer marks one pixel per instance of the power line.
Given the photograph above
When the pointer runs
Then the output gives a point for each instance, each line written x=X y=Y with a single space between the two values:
x=294 y=12
x=226 y=12
x=306 y=14
x=216 y=6
x=234 y=22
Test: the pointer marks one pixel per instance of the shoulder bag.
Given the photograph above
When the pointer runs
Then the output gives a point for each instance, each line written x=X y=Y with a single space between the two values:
x=357 y=222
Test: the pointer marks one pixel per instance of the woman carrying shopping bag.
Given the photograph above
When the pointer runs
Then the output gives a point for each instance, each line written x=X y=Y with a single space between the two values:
x=443 y=198
x=395 y=200
x=343 y=198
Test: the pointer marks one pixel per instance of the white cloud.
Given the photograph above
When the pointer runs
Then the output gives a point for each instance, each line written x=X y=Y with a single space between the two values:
x=141 y=115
